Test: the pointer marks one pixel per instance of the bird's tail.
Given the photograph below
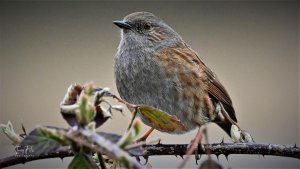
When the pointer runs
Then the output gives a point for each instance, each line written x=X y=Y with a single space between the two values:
x=236 y=134
x=226 y=127
x=230 y=126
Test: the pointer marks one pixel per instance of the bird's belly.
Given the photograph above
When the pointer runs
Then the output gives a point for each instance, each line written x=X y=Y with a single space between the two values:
x=143 y=81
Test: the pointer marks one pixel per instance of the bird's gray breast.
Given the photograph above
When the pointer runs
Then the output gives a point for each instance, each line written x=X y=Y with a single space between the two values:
x=141 y=79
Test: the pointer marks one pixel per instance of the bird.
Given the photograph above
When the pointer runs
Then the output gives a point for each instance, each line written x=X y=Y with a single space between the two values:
x=154 y=66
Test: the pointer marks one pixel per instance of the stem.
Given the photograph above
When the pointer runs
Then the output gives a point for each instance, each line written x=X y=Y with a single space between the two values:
x=179 y=149
x=101 y=160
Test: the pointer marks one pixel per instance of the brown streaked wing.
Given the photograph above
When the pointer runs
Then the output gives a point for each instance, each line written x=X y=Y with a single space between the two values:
x=215 y=88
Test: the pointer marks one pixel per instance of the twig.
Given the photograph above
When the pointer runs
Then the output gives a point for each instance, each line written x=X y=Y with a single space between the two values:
x=101 y=160
x=180 y=149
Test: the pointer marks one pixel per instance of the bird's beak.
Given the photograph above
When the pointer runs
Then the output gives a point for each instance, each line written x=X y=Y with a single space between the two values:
x=122 y=24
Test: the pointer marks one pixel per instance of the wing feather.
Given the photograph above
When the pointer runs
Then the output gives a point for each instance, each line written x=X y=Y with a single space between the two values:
x=215 y=89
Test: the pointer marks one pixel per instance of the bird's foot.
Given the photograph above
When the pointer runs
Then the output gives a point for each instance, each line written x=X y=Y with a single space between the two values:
x=197 y=155
x=193 y=146
x=196 y=151
x=141 y=139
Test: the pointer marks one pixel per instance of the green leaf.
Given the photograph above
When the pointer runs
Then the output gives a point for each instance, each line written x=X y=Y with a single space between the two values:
x=82 y=161
x=129 y=137
x=54 y=134
x=44 y=139
x=9 y=131
x=160 y=119
x=86 y=111
x=92 y=126
x=89 y=88
x=98 y=143
x=137 y=127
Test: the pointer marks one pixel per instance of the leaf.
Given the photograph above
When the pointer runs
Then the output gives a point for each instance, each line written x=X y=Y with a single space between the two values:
x=9 y=131
x=117 y=108
x=82 y=161
x=53 y=134
x=81 y=105
x=136 y=151
x=43 y=140
x=70 y=117
x=98 y=143
x=137 y=127
x=99 y=119
x=102 y=115
x=160 y=119
x=114 y=138
x=72 y=94
x=89 y=88
x=129 y=137
x=86 y=111
x=91 y=126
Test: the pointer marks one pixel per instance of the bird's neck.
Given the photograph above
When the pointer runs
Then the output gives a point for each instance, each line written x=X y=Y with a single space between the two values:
x=134 y=48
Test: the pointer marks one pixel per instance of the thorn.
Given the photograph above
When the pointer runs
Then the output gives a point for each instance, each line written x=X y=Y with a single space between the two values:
x=159 y=141
x=181 y=155
x=295 y=146
x=176 y=155
x=197 y=154
x=222 y=142
x=23 y=128
x=217 y=155
x=197 y=158
x=146 y=158
x=226 y=156
x=22 y=135
x=138 y=159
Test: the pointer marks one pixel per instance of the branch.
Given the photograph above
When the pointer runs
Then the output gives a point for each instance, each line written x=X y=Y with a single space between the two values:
x=16 y=159
x=178 y=149
x=226 y=149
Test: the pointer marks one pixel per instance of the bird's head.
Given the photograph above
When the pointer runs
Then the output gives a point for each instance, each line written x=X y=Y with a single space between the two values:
x=147 y=29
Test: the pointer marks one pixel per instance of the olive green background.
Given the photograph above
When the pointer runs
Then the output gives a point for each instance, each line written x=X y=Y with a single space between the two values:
x=252 y=46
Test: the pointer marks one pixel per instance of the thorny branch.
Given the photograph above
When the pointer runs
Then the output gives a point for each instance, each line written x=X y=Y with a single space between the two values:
x=178 y=150
x=76 y=101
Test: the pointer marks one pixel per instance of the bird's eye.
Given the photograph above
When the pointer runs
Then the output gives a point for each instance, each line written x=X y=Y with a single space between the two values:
x=147 y=26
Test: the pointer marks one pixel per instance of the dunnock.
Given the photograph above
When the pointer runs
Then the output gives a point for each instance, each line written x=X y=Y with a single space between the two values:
x=155 y=67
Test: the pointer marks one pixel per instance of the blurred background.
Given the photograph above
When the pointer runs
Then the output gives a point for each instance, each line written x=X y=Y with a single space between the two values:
x=252 y=46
